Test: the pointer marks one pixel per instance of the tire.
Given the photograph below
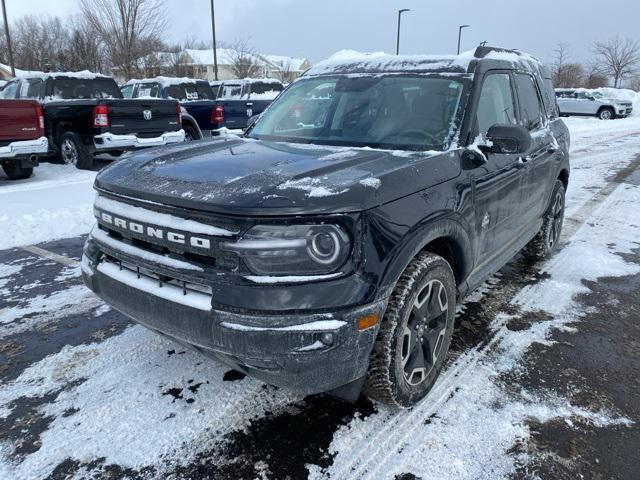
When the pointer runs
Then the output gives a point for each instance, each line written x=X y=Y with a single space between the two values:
x=15 y=172
x=396 y=376
x=74 y=152
x=190 y=134
x=547 y=239
x=606 y=114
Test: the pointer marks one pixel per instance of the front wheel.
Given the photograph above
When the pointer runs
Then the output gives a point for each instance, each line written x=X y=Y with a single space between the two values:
x=15 y=172
x=606 y=114
x=415 y=334
x=548 y=238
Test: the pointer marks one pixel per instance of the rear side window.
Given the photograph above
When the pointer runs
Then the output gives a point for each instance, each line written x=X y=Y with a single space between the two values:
x=230 y=91
x=496 y=104
x=549 y=98
x=530 y=108
x=127 y=91
x=31 y=88
x=148 y=90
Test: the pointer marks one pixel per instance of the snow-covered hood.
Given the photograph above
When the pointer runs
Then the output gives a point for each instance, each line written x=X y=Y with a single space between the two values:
x=243 y=176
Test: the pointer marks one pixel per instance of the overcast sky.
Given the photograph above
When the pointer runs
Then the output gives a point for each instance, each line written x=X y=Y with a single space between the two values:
x=317 y=28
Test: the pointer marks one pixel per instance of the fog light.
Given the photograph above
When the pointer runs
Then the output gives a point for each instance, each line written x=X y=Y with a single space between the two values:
x=327 y=339
x=368 y=321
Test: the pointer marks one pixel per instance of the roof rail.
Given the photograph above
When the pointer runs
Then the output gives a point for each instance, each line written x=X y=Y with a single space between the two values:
x=484 y=50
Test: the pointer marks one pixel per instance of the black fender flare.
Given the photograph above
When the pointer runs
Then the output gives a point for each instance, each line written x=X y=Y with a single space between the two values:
x=450 y=229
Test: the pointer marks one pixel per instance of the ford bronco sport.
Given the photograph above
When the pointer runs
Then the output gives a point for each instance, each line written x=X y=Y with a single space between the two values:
x=326 y=248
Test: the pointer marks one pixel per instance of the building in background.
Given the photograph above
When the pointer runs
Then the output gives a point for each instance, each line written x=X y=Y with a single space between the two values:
x=196 y=63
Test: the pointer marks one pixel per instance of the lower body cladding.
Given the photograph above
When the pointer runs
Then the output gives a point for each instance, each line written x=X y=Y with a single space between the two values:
x=305 y=352
x=110 y=141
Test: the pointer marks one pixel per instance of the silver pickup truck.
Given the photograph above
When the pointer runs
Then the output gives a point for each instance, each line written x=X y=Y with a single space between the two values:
x=578 y=101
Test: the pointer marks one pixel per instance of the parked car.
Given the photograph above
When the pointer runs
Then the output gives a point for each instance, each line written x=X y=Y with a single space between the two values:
x=22 y=137
x=239 y=100
x=86 y=114
x=572 y=101
x=195 y=96
x=329 y=254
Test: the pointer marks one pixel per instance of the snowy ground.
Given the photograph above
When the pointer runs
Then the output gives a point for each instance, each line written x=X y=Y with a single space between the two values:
x=84 y=392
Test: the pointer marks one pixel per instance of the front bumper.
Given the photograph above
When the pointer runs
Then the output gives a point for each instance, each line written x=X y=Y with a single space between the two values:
x=308 y=352
x=110 y=141
x=25 y=148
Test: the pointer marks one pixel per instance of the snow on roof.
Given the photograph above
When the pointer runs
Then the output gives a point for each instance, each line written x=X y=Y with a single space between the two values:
x=352 y=61
x=84 y=74
x=165 y=81
x=225 y=56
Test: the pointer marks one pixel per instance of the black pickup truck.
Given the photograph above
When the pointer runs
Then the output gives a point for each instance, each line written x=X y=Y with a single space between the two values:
x=239 y=100
x=86 y=114
x=326 y=248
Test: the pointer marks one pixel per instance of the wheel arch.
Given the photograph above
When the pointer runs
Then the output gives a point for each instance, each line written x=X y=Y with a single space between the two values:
x=447 y=238
x=563 y=176
x=606 y=107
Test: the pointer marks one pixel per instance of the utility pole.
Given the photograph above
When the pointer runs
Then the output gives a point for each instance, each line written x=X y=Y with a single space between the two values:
x=6 y=32
x=215 y=48
x=460 y=35
x=400 y=12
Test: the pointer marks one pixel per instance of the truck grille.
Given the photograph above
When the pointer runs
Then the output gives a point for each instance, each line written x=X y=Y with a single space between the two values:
x=166 y=234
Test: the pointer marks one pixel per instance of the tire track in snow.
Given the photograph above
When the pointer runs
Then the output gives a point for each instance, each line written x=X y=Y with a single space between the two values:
x=400 y=426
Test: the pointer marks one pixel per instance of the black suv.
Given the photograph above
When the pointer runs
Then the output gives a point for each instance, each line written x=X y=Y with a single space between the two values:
x=325 y=250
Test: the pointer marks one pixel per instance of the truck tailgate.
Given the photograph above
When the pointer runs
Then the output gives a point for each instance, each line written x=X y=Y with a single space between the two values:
x=142 y=116
x=19 y=120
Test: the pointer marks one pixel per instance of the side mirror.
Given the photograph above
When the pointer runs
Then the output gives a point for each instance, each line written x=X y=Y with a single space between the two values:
x=251 y=122
x=509 y=139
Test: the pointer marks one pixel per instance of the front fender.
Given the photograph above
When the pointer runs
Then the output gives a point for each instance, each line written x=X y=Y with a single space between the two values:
x=451 y=229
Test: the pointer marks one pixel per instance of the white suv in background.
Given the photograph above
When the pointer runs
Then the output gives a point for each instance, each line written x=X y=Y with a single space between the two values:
x=579 y=101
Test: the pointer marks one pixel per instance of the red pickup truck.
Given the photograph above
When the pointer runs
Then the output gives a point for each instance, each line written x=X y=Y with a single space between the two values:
x=22 y=137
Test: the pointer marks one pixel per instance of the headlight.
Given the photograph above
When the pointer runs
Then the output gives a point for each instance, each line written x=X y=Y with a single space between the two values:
x=293 y=249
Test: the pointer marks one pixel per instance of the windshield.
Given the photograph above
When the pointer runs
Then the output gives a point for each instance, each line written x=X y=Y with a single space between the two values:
x=191 y=91
x=68 y=88
x=400 y=112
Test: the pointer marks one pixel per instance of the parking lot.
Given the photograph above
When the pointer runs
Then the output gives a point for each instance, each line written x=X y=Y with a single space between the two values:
x=542 y=377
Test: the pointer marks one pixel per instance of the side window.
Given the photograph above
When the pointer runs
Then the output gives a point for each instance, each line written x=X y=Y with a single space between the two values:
x=10 y=90
x=530 y=108
x=496 y=102
x=31 y=88
x=127 y=90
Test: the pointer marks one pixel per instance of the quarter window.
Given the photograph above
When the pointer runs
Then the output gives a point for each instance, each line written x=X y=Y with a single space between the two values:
x=496 y=104
x=529 y=102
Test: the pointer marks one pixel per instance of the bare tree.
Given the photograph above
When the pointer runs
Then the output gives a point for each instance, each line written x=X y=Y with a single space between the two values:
x=86 y=51
x=565 y=74
x=244 y=60
x=129 y=29
x=618 y=58
x=594 y=78
x=285 y=73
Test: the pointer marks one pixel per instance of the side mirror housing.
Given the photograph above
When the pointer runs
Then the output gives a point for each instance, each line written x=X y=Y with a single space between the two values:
x=509 y=139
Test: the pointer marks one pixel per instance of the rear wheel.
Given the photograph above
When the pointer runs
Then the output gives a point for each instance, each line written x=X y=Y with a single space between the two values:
x=606 y=114
x=190 y=134
x=74 y=152
x=548 y=238
x=15 y=172
x=415 y=334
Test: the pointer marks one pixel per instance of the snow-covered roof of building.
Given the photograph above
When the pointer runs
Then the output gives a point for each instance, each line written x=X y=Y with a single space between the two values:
x=225 y=56
x=19 y=72
x=296 y=64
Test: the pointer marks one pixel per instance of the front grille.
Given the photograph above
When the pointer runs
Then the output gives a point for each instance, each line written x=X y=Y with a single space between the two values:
x=166 y=234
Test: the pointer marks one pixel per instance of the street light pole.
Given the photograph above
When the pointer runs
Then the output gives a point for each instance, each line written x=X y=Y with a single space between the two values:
x=6 y=32
x=460 y=35
x=215 y=49
x=400 y=12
